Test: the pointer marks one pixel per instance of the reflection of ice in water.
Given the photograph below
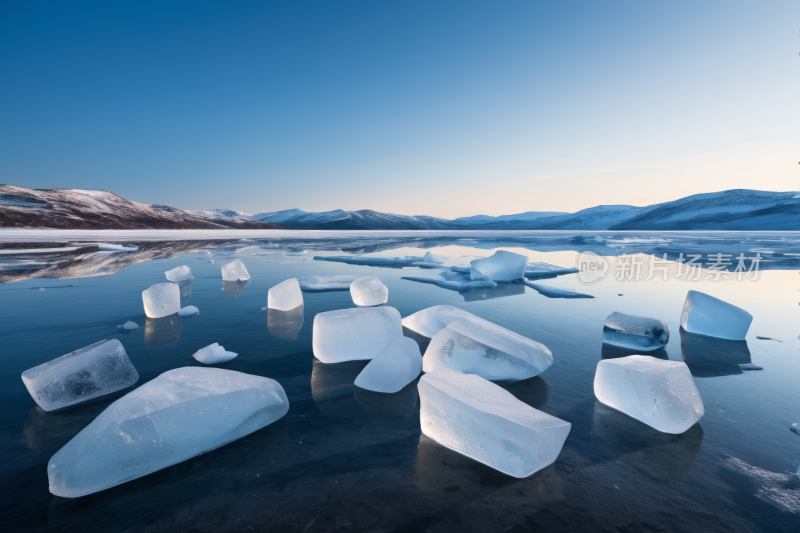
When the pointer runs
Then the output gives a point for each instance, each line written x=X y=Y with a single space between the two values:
x=163 y=331
x=332 y=387
x=396 y=405
x=286 y=324
x=710 y=357
x=185 y=288
x=234 y=289
x=501 y=291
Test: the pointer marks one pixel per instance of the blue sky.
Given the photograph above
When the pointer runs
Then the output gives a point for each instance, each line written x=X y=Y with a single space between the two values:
x=446 y=108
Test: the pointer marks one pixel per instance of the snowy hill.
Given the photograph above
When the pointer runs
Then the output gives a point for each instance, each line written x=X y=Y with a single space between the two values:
x=79 y=209
x=486 y=219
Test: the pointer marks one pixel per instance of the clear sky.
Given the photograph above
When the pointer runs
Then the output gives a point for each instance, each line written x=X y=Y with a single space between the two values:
x=446 y=108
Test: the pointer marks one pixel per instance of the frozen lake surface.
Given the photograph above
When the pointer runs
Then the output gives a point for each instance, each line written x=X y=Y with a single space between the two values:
x=348 y=459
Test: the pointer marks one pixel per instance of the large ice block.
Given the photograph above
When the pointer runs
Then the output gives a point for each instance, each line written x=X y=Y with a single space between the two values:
x=161 y=300
x=213 y=354
x=285 y=295
x=501 y=266
x=488 y=350
x=326 y=283
x=98 y=369
x=635 y=332
x=397 y=365
x=432 y=320
x=180 y=414
x=235 y=271
x=660 y=393
x=706 y=315
x=181 y=273
x=369 y=291
x=351 y=334
x=479 y=419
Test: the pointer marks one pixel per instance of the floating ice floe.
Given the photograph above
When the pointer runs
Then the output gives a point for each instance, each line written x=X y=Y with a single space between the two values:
x=285 y=295
x=129 y=325
x=479 y=419
x=189 y=310
x=432 y=320
x=235 y=271
x=326 y=283
x=96 y=370
x=539 y=269
x=213 y=354
x=433 y=258
x=397 y=365
x=462 y=269
x=501 y=266
x=706 y=315
x=369 y=291
x=108 y=247
x=392 y=262
x=428 y=265
x=635 y=332
x=486 y=349
x=180 y=414
x=556 y=292
x=181 y=273
x=750 y=366
x=453 y=285
x=353 y=334
x=162 y=299
x=795 y=428
x=248 y=250
x=662 y=394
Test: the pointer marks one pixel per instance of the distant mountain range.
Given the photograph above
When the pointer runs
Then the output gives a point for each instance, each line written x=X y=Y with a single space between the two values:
x=738 y=209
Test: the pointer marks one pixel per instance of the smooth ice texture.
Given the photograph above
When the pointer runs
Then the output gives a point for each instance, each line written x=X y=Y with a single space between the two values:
x=750 y=366
x=326 y=283
x=213 y=354
x=635 y=332
x=354 y=334
x=539 y=269
x=432 y=320
x=129 y=325
x=501 y=266
x=453 y=285
x=397 y=365
x=556 y=292
x=369 y=291
x=488 y=350
x=285 y=296
x=235 y=271
x=98 y=369
x=433 y=258
x=161 y=300
x=180 y=414
x=481 y=420
x=189 y=310
x=659 y=393
x=706 y=315
x=181 y=273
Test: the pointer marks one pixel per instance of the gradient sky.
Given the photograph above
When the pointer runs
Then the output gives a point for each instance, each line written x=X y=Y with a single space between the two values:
x=445 y=108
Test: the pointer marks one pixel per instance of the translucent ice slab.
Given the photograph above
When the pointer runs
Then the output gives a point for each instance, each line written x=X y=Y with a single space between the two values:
x=635 y=332
x=351 y=334
x=706 y=315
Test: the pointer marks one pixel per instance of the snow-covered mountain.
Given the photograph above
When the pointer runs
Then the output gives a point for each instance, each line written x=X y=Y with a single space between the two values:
x=79 y=209
x=338 y=219
x=486 y=219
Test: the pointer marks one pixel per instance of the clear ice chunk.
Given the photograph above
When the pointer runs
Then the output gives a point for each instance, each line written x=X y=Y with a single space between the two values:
x=397 y=365
x=432 y=320
x=180 y=414
x=129 y=325
x=213 y=354
x=354 y=334
x=706 y=315
x=433 y=258
x=479 y=419
x=369 y=291
x=181 y=273
x=98 y=369
x=635 y=332
x=660 y=393
x=161 y=300
x=486 y=349
x=556 y=292
x=326 y=283
x=285 y=296
x=501 y=266
x=235 y=271
x=189 y=310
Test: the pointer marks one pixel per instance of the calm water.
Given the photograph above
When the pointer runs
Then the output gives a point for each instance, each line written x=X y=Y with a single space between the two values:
x=348 y=459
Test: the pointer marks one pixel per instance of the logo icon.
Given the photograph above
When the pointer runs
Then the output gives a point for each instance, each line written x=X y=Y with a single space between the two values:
x=591 y=267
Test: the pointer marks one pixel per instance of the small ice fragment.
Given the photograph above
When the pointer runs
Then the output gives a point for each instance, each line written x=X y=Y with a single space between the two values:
x=162 y=299
x=706 y=315
x=767 y=339
x=481 y=420
x=488 y=350
x=98 y=369
x=397 y=365
x=795 y=428
x=285 y=295
x=181 y=273
x=189 y=310
x=539 y=269
x=635 y=332
x=750 y=366
x=129 y=325
x=462 y=269
x=619 y=295
x=211 y=261
x=107 y=247
x=453 y=285
x=354 y=334
x=502 y=266
x=213 y=354
x=433 y=258
x=180 y=414
x=41 y=289
x=662 y=394
x=326 y=283
x=235 y=271
x=556 y=292
x=369 y=291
